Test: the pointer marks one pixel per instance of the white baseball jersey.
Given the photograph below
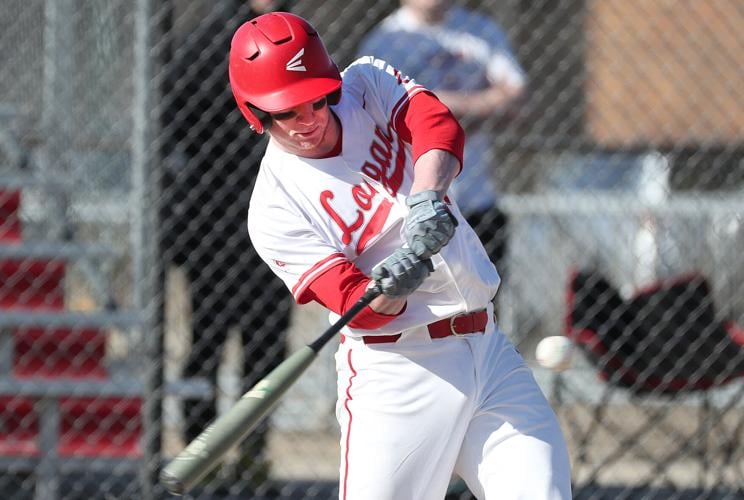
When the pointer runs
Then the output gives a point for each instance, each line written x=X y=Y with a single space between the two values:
x=414 y=411
x=307 y=214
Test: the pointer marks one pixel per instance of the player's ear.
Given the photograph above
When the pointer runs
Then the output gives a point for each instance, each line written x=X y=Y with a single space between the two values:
x=263 y=116
x=334 y=97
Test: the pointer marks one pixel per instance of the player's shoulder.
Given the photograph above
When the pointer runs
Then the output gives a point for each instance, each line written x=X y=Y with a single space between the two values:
x=365 y=73
x=363 y=67
x=369 y=69
x=265 y=185
x=374 y=80
x=270 y=197
x=269 y=179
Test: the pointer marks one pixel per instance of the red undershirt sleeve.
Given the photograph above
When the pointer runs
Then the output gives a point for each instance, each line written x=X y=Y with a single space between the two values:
x=339 y=288
x=426 y=124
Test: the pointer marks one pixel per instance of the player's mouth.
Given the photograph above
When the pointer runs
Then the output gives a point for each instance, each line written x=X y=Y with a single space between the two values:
x=307 y=135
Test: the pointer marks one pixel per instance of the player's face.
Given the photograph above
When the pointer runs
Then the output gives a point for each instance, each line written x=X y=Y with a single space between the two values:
x=305 y=130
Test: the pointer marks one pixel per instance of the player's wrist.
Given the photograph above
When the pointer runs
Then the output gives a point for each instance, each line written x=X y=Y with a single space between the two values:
x=401 y=273
x=389 y=306
x=422 y=197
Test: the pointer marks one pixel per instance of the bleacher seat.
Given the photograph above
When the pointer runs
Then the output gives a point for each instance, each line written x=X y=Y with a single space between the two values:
x=55 y=353
x=100 y=427
x=19 y=427
x=59 y=352
x=10 y=223
x=32 y=284
x=89 y=427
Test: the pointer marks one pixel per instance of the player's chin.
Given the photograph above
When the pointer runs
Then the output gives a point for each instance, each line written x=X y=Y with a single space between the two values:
x=308 y=143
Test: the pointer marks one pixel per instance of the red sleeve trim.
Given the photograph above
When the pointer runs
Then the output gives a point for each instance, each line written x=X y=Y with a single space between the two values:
x=298 y=291
x=425 y=123
x=404 y=100
x=338 y=288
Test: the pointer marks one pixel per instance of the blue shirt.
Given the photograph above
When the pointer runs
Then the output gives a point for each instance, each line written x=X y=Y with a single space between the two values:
x=466 y=51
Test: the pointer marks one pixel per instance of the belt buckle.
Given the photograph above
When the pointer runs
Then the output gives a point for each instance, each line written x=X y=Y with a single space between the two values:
x=452 y=324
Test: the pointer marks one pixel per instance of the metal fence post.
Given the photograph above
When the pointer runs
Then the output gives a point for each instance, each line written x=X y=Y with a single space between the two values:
x=148 y=275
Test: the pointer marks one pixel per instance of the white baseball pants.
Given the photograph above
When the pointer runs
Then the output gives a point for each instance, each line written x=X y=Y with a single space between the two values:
x=413 y=412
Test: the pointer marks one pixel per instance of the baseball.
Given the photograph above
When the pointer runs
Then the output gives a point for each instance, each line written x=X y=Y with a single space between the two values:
x=554 y=353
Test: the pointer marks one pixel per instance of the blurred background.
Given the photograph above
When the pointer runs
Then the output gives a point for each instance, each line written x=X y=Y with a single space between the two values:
x=608 y=152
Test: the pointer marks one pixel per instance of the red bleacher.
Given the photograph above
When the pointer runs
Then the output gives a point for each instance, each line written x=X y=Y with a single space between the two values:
x=32 y=284
x=106 y=426
x=95 y=427
x=20 y=427
x=59 y=352
x=10 y=223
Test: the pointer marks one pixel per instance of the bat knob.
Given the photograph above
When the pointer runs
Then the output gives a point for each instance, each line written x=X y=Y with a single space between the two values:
x=172 y=484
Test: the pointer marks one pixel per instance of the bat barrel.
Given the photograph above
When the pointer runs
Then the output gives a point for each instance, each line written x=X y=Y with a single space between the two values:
x=200 y=456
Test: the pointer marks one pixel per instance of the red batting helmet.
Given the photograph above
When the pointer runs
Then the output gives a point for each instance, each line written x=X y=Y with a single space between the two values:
x=277 y=62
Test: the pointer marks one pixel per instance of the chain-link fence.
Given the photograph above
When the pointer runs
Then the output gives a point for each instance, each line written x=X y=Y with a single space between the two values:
x=605 y=138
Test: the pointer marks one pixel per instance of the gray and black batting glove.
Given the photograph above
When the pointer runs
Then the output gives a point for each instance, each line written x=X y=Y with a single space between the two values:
x=429 y=224
x=402 y=273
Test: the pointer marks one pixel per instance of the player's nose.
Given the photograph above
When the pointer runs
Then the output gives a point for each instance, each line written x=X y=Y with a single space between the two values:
x=306 y=113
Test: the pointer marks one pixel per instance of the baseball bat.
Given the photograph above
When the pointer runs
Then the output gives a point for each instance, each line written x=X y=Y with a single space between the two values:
x=203 y=453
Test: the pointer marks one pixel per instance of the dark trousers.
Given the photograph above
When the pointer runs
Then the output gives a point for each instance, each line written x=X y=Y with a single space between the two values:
x=491 y=226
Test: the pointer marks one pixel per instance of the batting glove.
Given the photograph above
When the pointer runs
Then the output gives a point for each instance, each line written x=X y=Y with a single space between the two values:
x=402 y=273
x=429 y=224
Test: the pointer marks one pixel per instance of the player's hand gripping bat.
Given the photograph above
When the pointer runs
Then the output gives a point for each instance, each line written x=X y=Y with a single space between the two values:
x=203 y=453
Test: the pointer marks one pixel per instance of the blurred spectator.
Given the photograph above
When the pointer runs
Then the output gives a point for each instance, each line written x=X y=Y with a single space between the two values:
x=466 y=59
x=211 y=160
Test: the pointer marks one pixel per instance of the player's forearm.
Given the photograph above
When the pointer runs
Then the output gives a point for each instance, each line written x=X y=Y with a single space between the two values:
x=435 y=170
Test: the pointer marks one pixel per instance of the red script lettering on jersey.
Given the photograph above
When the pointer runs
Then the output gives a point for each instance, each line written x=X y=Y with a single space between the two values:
x=380 y=169
x=362 y=194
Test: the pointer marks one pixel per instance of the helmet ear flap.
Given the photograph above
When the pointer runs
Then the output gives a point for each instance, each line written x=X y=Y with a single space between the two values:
x=263 y=117
x=334 y=97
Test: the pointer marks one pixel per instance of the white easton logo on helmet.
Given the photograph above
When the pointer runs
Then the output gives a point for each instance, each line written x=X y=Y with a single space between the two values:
x=295 y=64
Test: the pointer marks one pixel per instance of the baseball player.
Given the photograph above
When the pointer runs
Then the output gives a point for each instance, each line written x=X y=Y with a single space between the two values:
x=353 y=192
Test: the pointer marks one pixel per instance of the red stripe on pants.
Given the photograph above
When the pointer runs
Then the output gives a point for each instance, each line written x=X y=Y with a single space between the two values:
x=348 y=427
